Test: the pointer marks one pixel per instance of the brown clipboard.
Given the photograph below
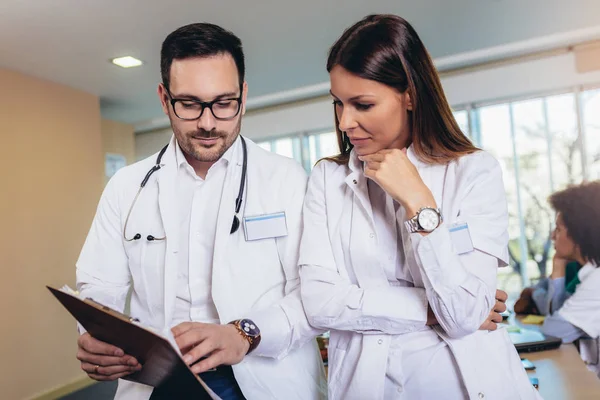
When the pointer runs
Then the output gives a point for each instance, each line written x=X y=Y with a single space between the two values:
x=162 y=366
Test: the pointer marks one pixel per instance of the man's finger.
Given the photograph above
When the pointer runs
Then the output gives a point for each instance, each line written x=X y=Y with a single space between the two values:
x=108 y=371
x=191 y=338
x=202 y=350
x=211 y=362
x=104 y=361
x=95 y=346
x=183 y=328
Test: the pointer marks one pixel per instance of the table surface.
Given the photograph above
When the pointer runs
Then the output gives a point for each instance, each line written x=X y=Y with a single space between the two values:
x=561 y=373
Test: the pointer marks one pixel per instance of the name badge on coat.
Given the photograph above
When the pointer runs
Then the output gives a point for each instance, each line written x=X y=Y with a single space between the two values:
x=461 y=238
x=265 y=226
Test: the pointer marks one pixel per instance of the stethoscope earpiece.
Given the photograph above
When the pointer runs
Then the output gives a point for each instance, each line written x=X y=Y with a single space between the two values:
x=137 y=236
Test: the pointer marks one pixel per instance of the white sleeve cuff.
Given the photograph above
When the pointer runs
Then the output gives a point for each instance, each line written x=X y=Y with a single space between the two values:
x=275 y=331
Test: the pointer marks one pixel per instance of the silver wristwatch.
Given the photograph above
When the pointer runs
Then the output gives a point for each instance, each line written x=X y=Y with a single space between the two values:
x=426 y=220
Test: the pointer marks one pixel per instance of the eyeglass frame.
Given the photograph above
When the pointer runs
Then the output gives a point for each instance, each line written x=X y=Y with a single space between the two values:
x=206 y=104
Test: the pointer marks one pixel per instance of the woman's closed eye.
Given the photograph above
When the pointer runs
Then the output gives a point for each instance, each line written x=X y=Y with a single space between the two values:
x=363 y=106
x=358 y=106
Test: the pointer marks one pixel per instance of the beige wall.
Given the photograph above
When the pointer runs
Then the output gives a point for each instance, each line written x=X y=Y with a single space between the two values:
x=51 y=180
x=148 y=143
x=118 y=138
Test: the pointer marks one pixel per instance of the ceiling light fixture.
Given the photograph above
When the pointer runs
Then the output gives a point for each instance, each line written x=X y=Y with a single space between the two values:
x=126 y=62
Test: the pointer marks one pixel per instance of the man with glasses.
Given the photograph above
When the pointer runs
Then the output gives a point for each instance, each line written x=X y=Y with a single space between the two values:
x=229 y=292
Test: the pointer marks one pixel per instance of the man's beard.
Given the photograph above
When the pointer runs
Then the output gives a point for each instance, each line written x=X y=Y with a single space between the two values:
x=203 y=153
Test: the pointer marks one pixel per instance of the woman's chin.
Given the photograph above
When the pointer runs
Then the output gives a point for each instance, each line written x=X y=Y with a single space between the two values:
x=366 y=150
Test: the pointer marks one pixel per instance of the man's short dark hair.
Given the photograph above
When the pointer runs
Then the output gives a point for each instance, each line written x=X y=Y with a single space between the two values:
x=200 y=40
x=579 y=207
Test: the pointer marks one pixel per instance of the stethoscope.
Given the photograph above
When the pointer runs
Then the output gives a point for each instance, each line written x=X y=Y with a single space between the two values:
x=238 y=201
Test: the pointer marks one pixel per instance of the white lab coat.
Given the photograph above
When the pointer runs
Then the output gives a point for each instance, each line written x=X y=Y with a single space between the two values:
x=257 y=279
x=582 y=309
x=346 y=290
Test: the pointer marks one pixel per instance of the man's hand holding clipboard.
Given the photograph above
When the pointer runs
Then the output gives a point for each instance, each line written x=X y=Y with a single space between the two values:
x=118 y=346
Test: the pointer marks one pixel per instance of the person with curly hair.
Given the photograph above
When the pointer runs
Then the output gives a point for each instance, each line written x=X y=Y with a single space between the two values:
x=577 y=238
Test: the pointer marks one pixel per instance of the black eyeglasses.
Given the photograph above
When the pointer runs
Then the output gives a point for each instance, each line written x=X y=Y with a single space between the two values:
x=223 y=109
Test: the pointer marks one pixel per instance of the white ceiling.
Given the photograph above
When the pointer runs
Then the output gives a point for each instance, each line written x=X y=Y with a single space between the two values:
x=286 y=42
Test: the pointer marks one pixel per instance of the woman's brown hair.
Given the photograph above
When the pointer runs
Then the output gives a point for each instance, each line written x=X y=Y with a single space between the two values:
x=386 y=49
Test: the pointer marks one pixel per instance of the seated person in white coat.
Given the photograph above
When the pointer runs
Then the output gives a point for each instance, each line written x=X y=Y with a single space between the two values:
x=184 y=230
x=404 y=232
x=577 y=238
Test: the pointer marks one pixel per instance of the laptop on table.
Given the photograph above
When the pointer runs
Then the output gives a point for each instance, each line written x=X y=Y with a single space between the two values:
x=529 y=340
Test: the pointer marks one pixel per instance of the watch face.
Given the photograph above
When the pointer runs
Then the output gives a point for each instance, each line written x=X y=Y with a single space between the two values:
x=249 y=328
x=429 y=219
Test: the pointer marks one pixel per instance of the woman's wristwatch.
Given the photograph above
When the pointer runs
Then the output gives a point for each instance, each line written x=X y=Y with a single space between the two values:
x=249 y=331
x=426 y=220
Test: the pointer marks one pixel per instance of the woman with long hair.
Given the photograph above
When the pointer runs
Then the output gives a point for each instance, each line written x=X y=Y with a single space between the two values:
x=404 y=231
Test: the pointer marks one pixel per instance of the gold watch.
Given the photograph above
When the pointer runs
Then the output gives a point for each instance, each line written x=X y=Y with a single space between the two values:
x=249 y=331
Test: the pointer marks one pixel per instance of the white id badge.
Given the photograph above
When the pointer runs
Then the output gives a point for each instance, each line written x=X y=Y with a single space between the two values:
x=461 y=238
x=265 y=226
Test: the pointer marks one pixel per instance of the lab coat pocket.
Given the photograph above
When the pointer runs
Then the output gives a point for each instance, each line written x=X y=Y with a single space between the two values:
x=489 y=237
x=338 y=348
x=145 y=223
x=503 y=359
x=147 y=258
x=145 y=255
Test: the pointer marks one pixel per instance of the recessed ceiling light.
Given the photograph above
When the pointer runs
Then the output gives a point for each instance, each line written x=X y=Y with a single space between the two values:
x=127 y=62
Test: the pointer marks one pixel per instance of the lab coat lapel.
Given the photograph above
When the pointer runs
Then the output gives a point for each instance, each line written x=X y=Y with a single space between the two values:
x=167 y=179
x=221 y=292
x=362 y=233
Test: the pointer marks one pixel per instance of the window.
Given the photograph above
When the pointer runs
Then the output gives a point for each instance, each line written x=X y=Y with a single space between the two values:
x=590 y=105
x=540 y=149
x=284 y=147
x=496 y=137
x=322 y=145
x=288 y=147
x=306 y=149
x=564 y=141
x=531 y=134
x=462 y=118
x=265 y=145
